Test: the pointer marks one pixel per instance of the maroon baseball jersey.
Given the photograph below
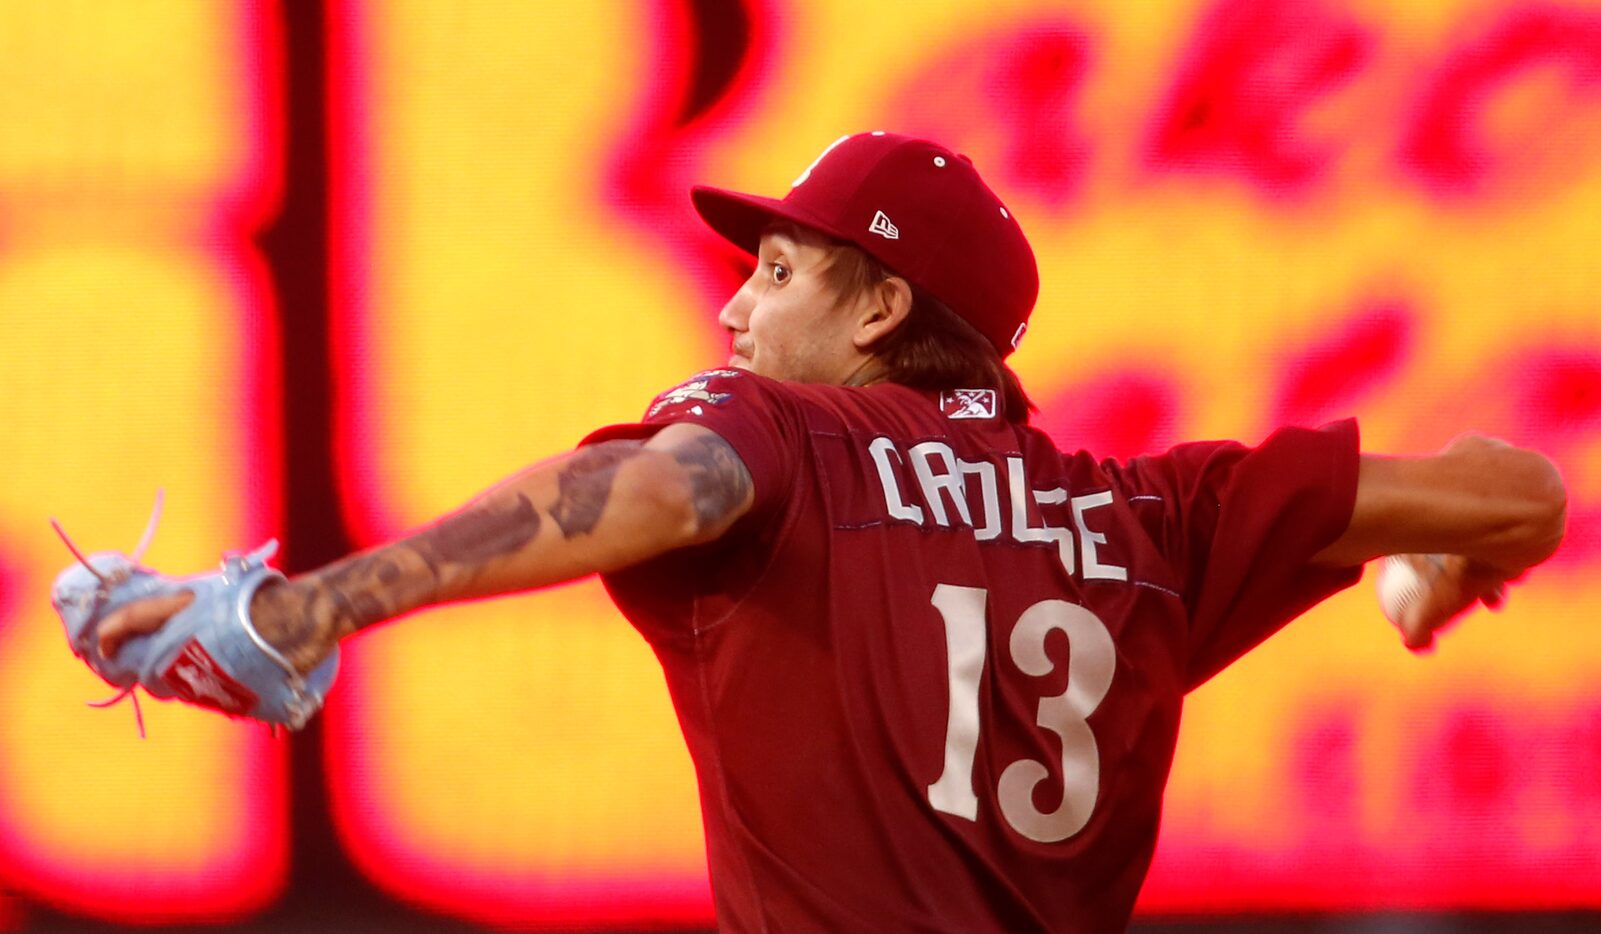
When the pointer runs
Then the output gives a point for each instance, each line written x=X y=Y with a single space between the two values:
x=932 y=680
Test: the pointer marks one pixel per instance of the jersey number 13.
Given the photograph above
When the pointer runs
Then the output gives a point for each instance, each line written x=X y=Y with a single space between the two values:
x=1091 y=660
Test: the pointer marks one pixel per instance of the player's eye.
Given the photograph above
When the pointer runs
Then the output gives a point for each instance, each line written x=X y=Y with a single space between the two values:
x=780 y=273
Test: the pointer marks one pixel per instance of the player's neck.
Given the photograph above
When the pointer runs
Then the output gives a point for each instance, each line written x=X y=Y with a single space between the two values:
x=866 y=373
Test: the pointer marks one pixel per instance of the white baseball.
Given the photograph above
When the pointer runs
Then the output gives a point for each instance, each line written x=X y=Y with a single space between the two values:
x=1399 y=587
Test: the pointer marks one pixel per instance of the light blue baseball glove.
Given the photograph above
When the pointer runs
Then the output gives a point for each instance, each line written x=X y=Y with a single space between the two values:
x=208 y=654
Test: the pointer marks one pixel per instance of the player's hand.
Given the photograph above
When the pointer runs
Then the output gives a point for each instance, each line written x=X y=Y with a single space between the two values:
x=1450 y=586
x=141 y=617
x=271 y=615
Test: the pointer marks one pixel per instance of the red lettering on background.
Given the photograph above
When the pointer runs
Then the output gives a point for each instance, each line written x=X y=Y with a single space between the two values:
x=9 y=587
x=1006 y=100
x=1495 y=811
x=1117 y=415
x=1330 y=377
x=1555 y=396
x=1543 y=396
x=1577 y=750
x=1471 y=766
x=1547 y=397
x=710 y=61
x=1254 y=70
x=1444 y=145
x=1325 y=766
x=1466 y=779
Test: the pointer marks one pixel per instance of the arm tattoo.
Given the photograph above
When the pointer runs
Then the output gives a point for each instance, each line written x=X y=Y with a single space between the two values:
x=303 y=619
x=717 y=476
x=584 y=485
x=479 y=533
x=306 y=617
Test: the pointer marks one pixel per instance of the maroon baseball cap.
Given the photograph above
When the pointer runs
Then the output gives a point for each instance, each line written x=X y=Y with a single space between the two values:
x=916 y=207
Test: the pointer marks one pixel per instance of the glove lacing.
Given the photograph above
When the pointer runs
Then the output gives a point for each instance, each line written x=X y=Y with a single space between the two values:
x=125 y=694
x=106 y=584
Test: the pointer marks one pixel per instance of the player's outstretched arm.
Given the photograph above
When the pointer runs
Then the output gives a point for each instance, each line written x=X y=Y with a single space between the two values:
x=598 y=509
x=1501 y=506
x=1469 y=519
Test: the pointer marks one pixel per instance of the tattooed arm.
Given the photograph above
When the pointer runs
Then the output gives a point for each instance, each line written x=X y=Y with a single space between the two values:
x=597 y=509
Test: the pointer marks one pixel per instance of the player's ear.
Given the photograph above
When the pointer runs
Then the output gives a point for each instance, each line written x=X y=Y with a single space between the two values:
x=887 y=307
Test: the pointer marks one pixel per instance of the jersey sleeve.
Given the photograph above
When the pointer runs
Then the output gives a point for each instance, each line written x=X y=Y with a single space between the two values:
x=752 y=413
x=1239 y=526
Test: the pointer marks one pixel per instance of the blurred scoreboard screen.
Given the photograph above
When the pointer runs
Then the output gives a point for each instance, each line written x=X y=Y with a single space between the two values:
x=1247 y=213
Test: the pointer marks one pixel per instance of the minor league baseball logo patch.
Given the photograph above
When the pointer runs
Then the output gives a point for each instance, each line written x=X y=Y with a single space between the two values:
x=197 y=678
x=967 y=403
x=693 y=391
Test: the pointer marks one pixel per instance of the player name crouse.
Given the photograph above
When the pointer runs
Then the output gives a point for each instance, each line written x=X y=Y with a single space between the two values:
x=943 y=490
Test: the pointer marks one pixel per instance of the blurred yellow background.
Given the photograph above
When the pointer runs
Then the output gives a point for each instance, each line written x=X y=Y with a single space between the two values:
x=1245 y=212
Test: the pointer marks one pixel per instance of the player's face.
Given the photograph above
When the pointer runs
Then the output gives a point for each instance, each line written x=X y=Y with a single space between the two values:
x=787 y=321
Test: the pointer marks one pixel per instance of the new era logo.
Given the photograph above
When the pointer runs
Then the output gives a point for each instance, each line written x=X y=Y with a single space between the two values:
x=967 y=403
x=884 y=227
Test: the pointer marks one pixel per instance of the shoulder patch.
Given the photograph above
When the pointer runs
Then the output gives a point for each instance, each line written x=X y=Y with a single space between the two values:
x=695 y=390
x=967 y=403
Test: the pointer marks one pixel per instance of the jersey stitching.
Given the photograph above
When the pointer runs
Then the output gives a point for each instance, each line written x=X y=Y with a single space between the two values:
x=858 y=526
x=717 y=756
x=1170 y=592
x=1145 y=497
x=791 y=516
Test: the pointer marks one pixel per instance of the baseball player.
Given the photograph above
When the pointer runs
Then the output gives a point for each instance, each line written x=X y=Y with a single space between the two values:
x=928 y=665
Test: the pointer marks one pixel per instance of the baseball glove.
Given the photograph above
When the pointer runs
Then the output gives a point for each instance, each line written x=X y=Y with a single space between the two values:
x=208 y=654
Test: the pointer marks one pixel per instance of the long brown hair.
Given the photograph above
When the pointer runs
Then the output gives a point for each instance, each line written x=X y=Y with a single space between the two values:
x=934 y=348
